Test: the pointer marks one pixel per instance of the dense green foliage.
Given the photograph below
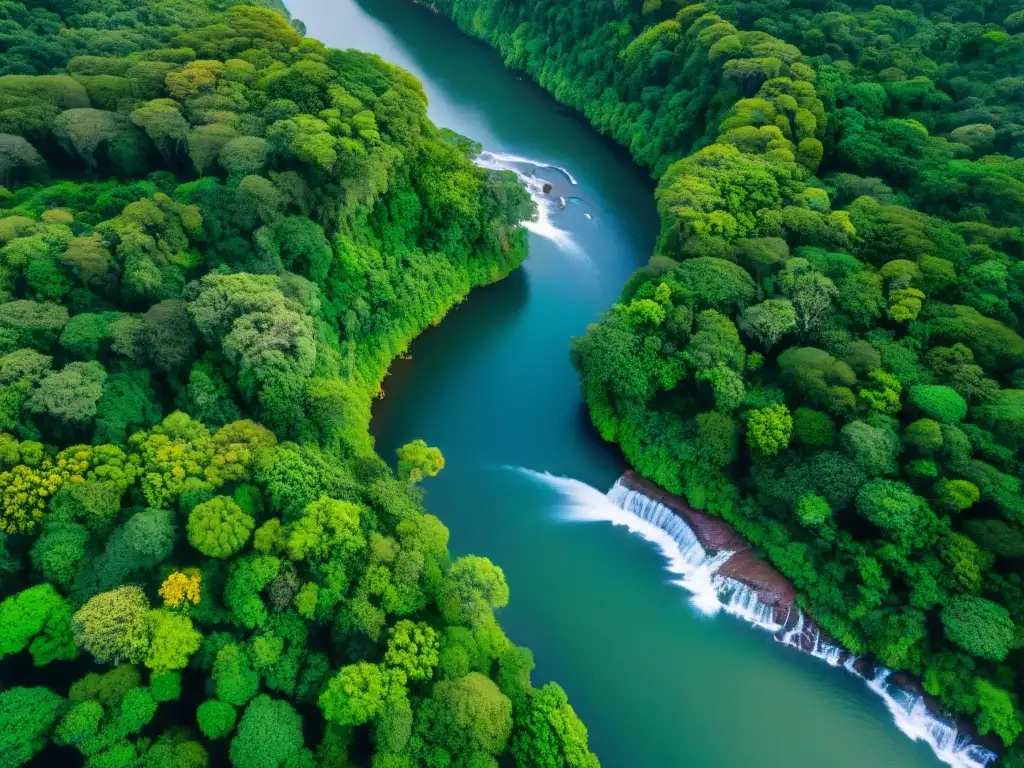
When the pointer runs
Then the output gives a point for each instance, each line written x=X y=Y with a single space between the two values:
x=825 y=349
x=215 y=235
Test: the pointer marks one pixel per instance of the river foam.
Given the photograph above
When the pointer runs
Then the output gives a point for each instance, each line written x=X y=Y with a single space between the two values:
x=547 y=204
x=686 y=558
x=696 y=571
x=502 y=157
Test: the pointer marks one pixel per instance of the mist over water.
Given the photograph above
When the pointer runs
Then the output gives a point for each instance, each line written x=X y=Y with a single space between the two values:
x=517 y=160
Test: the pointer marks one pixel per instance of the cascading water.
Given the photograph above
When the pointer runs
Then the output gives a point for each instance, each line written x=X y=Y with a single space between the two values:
x=698 y=573
x=518 y=160
x=830 y=654
x=712 y=592
x=806 y=637
x=913 y=718
x=744 y=603
x=541 y=191
x=657 y=524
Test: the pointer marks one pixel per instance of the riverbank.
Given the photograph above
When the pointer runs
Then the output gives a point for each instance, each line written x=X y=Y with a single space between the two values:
x=735 y=144
x=777 y=593
x=715 y=535
x=492 y=387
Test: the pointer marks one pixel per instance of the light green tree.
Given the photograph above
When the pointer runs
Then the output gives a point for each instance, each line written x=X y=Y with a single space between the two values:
x=417 y=460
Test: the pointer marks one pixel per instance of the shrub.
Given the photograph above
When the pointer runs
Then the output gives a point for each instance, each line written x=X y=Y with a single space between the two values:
x=216 y=718
x=979 y=626
x=219 y=527
x=939 y=402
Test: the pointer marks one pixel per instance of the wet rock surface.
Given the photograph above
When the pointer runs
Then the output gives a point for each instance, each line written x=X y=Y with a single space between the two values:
x=774 y=589
x=717 y=536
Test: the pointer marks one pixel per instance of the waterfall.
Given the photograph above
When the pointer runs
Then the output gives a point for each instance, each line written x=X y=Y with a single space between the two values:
x=744 y=603
x=807 y=638
x=793 y=636
x=912 y=716
x=698 y=573
x=547 y=206
x=830 y=654
x=711 y=592
x=518 y=160
x=908 y=709
x=687 y=561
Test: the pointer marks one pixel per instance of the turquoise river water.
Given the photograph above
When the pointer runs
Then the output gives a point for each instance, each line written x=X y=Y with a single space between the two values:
x=657 y=682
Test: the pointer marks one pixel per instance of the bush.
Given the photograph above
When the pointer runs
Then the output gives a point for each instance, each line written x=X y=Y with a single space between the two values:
x=165 y=686
x=114 y=626
x=979 y=626
x=813 y=428
x=28 y=716
x=939 y=402
x=219 y=527
x=269 y=733
x=216 y=718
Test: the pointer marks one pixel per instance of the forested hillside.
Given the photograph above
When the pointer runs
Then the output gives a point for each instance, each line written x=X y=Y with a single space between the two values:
x=215 y=235
x=825 y=348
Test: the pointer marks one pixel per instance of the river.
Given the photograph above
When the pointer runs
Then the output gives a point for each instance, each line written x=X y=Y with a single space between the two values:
x=657 y=682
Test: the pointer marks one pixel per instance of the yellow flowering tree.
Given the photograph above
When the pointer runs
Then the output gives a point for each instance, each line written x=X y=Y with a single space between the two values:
x=181 y=587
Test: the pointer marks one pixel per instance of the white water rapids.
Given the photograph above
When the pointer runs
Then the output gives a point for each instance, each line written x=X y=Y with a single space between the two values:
x=696 y=571
x=501 y=157
x=548 y=204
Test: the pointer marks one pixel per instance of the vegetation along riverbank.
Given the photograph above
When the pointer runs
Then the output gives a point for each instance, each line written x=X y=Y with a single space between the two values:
x=215 y=236
x=824 y=349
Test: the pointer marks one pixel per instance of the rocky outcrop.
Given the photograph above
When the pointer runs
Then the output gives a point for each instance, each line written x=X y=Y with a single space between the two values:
x=716 y=535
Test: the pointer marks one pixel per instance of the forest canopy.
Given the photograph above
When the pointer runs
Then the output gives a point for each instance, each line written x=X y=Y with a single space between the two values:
x=825 y=348
x=215 y=235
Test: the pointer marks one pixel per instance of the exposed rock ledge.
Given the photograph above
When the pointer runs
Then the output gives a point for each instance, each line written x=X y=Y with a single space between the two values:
x=774 y=589
x=716 y=535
